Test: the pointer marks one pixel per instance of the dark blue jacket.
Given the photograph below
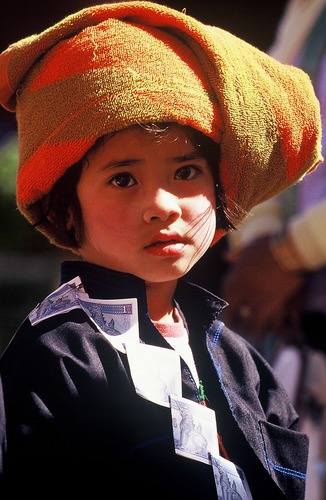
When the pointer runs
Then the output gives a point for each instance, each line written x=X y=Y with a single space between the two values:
x=76 y=425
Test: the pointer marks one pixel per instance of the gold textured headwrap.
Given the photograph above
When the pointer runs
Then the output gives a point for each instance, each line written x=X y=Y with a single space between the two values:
x=114 y=65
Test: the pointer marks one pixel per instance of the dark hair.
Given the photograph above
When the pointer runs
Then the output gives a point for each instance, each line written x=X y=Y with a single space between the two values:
x=53 y=212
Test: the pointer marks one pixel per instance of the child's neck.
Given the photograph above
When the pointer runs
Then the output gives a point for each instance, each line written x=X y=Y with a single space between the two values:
x=160 y=301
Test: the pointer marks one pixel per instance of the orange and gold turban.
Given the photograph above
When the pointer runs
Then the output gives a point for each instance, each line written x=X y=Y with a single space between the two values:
x=114 y=65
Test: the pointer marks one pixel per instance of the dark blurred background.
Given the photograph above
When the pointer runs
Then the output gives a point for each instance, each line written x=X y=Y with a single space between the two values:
x=29 y=266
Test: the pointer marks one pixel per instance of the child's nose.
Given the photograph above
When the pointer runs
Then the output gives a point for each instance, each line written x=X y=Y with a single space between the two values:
x=162 y=205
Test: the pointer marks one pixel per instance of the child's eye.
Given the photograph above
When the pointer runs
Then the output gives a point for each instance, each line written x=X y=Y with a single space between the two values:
x=187 y=172
x=123 y=180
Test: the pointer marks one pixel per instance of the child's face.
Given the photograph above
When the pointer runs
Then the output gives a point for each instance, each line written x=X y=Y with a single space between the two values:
x=148 y=204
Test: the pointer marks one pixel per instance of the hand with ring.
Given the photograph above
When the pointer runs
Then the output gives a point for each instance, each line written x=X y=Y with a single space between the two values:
x=257 y=291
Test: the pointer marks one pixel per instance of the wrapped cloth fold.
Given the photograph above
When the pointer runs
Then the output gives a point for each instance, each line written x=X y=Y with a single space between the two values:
x=114 y=65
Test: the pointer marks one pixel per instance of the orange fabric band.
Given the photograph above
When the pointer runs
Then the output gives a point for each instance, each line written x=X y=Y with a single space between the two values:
x=114 y=65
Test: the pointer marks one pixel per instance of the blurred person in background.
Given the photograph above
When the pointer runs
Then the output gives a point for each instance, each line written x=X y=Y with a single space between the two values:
x=276 y=284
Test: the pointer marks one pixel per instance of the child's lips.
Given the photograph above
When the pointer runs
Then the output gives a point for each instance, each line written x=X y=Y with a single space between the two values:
x=162 y=239
x=172 y=249
x=166 y=245
x=160 y=242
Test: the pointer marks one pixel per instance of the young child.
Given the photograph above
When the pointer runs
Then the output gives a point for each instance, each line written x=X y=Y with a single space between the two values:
x=145 y=136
